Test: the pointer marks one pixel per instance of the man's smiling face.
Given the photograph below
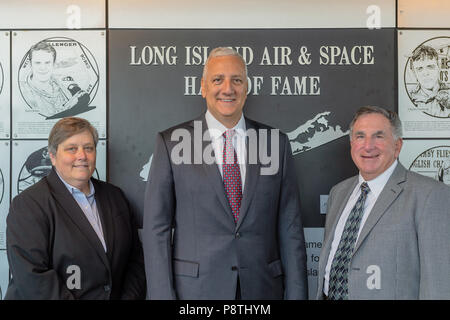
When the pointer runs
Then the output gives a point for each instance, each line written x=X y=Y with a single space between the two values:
x=225 y=88
x=373 y=147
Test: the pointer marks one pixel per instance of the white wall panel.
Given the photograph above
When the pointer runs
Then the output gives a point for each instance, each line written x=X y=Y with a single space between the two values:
x=61 y=14
x=247 y=14
x=423 y=14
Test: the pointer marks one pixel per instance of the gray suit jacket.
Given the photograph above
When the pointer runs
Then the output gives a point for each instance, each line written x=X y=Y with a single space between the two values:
x=206 y=251
x=403 y=251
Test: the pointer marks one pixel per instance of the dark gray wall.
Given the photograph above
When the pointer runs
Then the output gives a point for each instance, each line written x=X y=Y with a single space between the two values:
x=145 y=99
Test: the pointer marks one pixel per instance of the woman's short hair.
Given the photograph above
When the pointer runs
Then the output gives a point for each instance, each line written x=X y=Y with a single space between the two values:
x=66 y=128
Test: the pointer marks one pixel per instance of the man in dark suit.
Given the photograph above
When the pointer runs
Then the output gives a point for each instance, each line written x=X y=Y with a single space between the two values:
x=220 y=223
x=70 y=236
x=387 y=229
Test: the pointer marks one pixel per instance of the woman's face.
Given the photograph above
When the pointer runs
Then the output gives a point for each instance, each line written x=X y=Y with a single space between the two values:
x=75 y=160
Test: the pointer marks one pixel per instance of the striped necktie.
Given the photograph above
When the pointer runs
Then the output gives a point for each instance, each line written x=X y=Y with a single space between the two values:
x=338 y=283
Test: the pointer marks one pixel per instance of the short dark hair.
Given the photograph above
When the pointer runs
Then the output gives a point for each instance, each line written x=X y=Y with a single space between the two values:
x=44 y=46
x=392 y=116
x=66 y=128
x=422 y=52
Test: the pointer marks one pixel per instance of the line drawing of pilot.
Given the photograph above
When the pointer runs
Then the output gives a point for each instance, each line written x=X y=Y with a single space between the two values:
x=430 y=94
x=443 y=174
x=46 y=91
x=37 y=166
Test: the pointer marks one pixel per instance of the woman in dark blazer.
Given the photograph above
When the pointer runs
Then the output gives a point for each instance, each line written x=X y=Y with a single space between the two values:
x=70 y=236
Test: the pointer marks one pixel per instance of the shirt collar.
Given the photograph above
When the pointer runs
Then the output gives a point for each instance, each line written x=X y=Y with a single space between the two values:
x=73 y=189
x=216 y=128
x=376 y=185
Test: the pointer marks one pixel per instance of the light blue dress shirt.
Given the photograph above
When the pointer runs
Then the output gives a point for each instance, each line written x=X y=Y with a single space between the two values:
x=88 y=205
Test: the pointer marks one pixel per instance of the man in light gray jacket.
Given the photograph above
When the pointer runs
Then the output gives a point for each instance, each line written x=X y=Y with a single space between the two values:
x=387 y=232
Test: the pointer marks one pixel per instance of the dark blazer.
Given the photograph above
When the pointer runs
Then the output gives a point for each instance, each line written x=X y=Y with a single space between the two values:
x=47 y=232
x=208 y=251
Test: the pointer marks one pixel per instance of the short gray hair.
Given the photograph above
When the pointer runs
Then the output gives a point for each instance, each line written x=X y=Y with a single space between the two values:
x=66 y=128
x=220 y=52
x=392 y=116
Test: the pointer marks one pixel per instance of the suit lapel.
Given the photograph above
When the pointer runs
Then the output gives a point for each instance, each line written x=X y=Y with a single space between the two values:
x=105 y=210
x=214 y=177
x=211 y=170
x=340 y=197
x=335 y=215
x=251 y=176
x=74 y=212
x=390 y=192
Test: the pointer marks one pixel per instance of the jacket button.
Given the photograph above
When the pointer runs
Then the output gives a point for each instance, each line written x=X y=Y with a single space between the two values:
x=107 y=288
x=234 y=268
x=237 y=235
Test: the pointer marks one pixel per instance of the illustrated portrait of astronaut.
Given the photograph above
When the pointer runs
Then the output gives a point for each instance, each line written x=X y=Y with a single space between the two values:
x=431 y=95
x=57 y=78
x=443 y=174
x=37 y=166
x=5 y=113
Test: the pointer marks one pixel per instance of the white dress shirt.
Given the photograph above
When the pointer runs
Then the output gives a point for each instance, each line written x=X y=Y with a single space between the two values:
x=216 y=130
x=376 y=186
